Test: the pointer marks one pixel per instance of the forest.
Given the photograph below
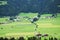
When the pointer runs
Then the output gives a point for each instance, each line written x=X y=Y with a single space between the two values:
x=14 y=7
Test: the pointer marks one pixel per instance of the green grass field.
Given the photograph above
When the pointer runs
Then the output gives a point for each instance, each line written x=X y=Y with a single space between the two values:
x=25 y=28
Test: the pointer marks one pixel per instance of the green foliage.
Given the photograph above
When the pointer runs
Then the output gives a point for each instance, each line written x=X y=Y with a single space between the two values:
x=3 y=2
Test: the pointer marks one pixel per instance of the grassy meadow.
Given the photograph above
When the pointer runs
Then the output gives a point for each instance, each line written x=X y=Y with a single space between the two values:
x=25 y=28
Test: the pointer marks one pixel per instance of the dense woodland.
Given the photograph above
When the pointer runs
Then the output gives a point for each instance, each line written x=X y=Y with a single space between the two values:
x=14 y=7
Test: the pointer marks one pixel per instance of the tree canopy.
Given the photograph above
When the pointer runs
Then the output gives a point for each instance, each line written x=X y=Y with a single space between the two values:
x=14 y=7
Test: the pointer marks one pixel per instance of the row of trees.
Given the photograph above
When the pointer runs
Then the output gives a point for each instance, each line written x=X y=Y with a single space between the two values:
x=30 y=38
x=14 y=7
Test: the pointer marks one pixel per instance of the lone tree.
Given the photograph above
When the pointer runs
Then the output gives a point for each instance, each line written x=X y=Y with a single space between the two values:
x=33 y=20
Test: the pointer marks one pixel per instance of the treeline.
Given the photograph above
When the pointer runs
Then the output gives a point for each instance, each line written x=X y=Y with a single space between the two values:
x=30 y=38
x=14 y=7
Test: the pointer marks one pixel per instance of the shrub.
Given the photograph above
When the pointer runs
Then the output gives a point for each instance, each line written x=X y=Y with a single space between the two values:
x=1 y=38
x=29 y=38
x=32 y=38
x=6 y=39
x=55 y=38
x=12 y=38
x=45 y=39
x=50 y=38
x=21 y=38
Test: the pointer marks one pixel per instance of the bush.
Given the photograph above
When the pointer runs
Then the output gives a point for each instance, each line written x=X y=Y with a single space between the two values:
x=32 y=38
x=29 y=38
x=12 y=38
x=39 y=38
x=50 y=38
x=21 y=38
x=1 y=38
x=45 y=39
x=6 y=39
x=55 y=38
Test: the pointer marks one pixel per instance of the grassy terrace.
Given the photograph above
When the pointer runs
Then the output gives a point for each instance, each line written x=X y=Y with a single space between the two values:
x=25 y=28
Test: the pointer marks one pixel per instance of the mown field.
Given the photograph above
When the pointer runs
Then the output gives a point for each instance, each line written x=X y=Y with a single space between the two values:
x=25 y=28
